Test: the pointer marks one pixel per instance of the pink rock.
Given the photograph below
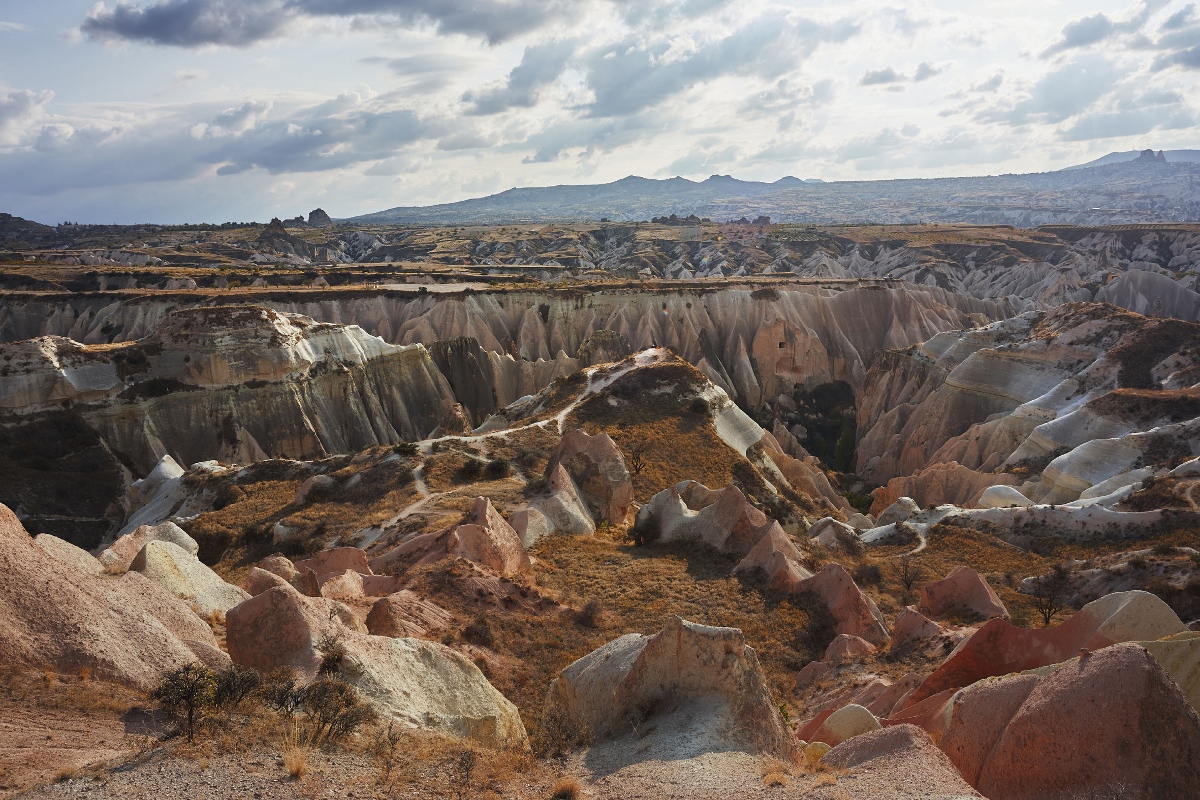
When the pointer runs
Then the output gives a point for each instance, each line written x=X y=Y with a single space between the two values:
x=279 y=565
x=259 y=581
x=930 y=715
x=812 y=671
x=406 y=614
x=487 y=539
x=346 y=586
x=379 y=585
x=280 y=627
x=778 y=558
x=887 y=700
x=999 y=647
x=878 y=758
x=846 y=646
x=911 y=625
x=597 y=466
x=978 y=716
x=335 y=562
x=853 y=612
x=963 y=588
x=1113 y=718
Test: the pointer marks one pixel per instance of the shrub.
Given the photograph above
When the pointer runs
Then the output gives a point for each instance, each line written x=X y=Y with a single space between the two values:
x=565 y=789
x=406 y=449
x=480 y=632
x=280 y=692
x=498 y=468
x=535 y=486
x=235 y=685
x=186 y=693
x=645 y=531
x=589 y=615
x=700 y=406
x=472 y=469
x=333 y=654
x=333 y=710
x=868 y=574
x=558 y=733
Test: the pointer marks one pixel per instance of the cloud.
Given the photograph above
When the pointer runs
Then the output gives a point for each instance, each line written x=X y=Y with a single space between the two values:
x=12 y=27
x=189 y=75
x=990 y=85
x=425 y=73
x=1127 y=123
x=1060 y=94
x=880 y=77
x=540 y=65
x=1182 y=18
x=240 y=23
x=19 y=113
x=1090 y=30
x=925 y=71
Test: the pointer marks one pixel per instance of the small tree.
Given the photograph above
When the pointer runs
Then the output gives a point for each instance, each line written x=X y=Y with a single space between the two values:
x=910 y=571
x=235 y=685
x=637 y=458
x=185 y=693
x=1049 y=593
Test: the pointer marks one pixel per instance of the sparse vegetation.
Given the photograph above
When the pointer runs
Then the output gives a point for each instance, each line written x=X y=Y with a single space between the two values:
x=186 y=693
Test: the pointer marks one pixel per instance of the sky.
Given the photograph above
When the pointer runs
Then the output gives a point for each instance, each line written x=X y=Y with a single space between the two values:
x=228 y=110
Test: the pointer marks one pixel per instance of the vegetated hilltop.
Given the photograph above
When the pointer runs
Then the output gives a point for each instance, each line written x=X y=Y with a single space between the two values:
x=1146 y=189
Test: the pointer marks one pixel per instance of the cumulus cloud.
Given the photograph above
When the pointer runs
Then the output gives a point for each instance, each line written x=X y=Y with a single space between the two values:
x=540 y=65
x=1060 y=94
x=925 y=71
x=881 y=77
x=1098 y=27
x=19 y=113
x=10 y=27
x=240 y=23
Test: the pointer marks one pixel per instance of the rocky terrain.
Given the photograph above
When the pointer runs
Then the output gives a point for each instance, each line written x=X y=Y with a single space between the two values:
x=861 y=535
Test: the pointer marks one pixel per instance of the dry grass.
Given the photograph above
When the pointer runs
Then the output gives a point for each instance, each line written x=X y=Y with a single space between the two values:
x=295 y=756
x=566 y=789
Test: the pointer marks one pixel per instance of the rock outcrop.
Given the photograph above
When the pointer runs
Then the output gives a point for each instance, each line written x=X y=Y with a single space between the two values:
x=415 y=683
x=118 y=556
x=877 y=759
x=706 y=674
x=690 y=511
x=853 y=612
x=963 y=589
x=597 y=467
x=1111 y=720
x=63 y=619
x=999 y=647
x=482 y=536
x=181 y=573
x=406 y=614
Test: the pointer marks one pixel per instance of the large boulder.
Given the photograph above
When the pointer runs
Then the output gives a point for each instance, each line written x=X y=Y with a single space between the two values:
x=118 y=557
x=853 y=612
x=559 y=508
x=69 y=554
x=999 y=647
x=487 y=539
x=898 y=511
x=844 y=724
x=406 y=614
x=963 y=589
x=597 y=467
x=846 y=646
x=897 y=763
x=60 y=618
x=777 y=558
x=415 y=683
x=328 y=563
x=690 y=511
x=978 y=716
x=707 y=674
x=259 y=580
x=834 y=535
x=912 y=626
x=1111 y=721
x=183 y=575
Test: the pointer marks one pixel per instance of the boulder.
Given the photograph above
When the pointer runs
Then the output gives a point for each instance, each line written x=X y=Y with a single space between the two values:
x=182 y=574
x=845 y=723
x=406 y=614
x=912 y=626
x=346 y=586
x=883 y=704
x=860 y=522
x=279 y=565
x=707 y=674
x=853 y=612
x=561 y=507
x=1112 y=720
x=963 y=589
x=75 y=557
x=487 y=539
x=877 y=759
x=335 y=562
x=814 y=752
x=834 y=535
x=597 y=467
x=316 y=483
x=1003 y=497
x=978 y=716
x=898 y=511
x=846 y=646
x=999 y=647
x=690 y=511
x=259 y=580
x=415 y=683
x=812 y=671
x=118 y=557
x=59 y=618
x=531 y=524
x=778 y=559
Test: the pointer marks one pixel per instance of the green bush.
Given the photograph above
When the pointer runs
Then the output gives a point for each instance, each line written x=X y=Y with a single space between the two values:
x=499 y=468
x=473 y=469
x=186 y=693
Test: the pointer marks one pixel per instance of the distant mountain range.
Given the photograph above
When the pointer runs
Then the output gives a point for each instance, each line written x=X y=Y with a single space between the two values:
x=1120 y=188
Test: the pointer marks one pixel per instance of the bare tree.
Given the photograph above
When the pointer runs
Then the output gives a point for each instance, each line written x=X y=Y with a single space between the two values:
x=910 y=571
x=637 y=458
x=1049 y=593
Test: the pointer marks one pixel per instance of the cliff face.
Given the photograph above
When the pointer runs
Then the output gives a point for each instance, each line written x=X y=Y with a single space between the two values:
x=1066 y=401
x=752 y=343
x=234 y=384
